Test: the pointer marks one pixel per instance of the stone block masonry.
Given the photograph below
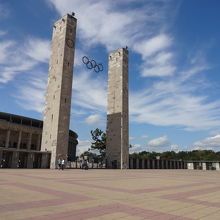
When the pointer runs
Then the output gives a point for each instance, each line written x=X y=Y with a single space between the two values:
x=58 y=98
x=117 y=115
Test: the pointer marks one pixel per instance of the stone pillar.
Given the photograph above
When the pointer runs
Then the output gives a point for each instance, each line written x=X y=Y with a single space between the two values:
x=29 y=141
x=7 y=138
x=15 y=158
x=153 y=164
x=217 y=166
x=204 y=165
x=175 y=164
x=117 y=109
x=137 y=164
x=55 y=135
x=167 y=165
x=131 y=163
x=157 y=164
x=143 y=164
x=148 y=163
x=38 y=142
x=162 y=164
x=1 y=153
x=30 y=160
x=19 y=139
x=171 y=164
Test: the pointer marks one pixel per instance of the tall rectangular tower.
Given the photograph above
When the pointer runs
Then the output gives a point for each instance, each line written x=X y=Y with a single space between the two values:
x=59 y=89
x=117 y=153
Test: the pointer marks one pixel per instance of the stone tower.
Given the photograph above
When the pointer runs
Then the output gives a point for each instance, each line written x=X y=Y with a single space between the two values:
x=58 y=98
x=117 y=153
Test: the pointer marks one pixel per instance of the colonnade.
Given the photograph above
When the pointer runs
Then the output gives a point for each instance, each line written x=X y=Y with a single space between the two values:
x=136 y=163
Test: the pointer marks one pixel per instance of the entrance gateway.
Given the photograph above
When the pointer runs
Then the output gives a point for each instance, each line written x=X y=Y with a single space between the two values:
x=58 y=98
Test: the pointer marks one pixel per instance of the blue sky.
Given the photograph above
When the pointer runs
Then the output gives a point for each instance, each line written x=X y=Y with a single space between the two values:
x=174 y=80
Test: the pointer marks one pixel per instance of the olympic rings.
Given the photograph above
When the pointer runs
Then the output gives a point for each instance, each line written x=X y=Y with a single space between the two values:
x=91 y=64
x=85 y=60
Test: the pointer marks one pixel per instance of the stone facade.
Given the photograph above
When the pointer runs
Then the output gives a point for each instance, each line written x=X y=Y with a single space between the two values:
x=20 y=140
x=58 y=99
x=117 y=152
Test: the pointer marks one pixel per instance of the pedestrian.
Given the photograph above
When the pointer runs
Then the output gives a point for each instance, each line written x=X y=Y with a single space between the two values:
x=59 y=163
x=62 y=164
x=85 y=165
x=19 y=164
x=2 y=163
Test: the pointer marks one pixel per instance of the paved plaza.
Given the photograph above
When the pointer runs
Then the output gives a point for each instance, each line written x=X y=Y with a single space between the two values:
x=109 y=194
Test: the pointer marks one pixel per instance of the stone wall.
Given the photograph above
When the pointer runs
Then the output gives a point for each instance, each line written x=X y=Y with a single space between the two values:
x=58 y=98
x=117 y=111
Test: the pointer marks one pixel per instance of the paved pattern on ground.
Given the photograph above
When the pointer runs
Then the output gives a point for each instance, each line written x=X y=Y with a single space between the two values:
x=109 y=194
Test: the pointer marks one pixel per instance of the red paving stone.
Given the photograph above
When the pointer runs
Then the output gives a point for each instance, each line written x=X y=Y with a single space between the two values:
x=109 y=194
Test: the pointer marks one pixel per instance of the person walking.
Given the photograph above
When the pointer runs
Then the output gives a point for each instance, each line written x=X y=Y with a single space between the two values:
x=59 y=163
x=62 y=164
x=85 y=165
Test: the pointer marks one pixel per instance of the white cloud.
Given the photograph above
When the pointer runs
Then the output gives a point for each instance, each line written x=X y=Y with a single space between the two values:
x=158 y=71
x=161 y=58
x=19 y=59
x=78 y=57
x=93 y=119
x=159 y=142
x=16 y=58
x=105 y=27
x=5 y=46
x=82 y=146
x=9 y=72
x=131 y=138
x=4 y=11
x=38 y=49
x=174 y=147
x=89 y=91
x=208 y=143
x=144 y=136
x=157 y=60
x=31 y=96
x=75 y=111
x=2 y=33
x=151 y=46
x=136 y=148
x=175 y=102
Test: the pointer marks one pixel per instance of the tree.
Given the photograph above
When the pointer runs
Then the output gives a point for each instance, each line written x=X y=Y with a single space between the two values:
x=207 y=155
x=91 y=155
x=99 y=141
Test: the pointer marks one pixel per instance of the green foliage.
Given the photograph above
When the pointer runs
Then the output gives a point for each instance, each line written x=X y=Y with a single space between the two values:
x=88 y=154
x=99 y=141
x=207 y=155
x=96 y=158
